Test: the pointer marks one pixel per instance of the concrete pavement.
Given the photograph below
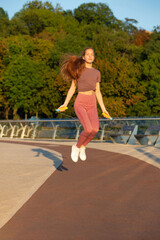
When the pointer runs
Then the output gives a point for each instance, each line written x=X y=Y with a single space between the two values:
x=23 y=169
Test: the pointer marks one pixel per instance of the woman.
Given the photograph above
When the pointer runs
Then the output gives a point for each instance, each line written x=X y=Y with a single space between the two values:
x=87 y=78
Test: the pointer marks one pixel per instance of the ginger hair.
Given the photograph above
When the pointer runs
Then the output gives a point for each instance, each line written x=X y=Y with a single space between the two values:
x=72 y=66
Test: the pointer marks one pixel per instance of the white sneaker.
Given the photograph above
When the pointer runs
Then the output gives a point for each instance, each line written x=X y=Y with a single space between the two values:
x=82 y=153
x=75 y=153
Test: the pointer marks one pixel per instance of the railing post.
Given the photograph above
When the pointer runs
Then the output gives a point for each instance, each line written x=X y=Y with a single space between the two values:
x=78 y=131
x=55 y=132
x=103 y=131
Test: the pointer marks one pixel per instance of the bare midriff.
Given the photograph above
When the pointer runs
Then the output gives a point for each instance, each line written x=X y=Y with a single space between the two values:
x=91 y=92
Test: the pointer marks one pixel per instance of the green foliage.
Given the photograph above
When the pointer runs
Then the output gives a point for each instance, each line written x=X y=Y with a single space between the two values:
x=129 y=25
x=3 y=14
x=17 y=27
x=4 y=23
x=22 y=81
x=153 y=45
x=33 y=42
x=141 y=109
x=36 y=16
x=96 y=13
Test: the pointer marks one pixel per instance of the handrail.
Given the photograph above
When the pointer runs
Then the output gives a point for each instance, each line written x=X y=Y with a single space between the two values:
x=72 y=120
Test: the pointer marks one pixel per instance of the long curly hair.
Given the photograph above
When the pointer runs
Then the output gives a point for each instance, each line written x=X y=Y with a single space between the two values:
x=72 y=65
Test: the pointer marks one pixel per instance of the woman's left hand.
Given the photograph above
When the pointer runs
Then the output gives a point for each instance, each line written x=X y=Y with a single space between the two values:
x=105 y=111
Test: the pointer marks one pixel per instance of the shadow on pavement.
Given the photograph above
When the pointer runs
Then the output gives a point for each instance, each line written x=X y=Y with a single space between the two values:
x=57 y=162
x=150 y=155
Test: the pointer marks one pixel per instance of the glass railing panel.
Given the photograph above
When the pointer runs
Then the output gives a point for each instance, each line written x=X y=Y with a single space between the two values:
x=70 y=129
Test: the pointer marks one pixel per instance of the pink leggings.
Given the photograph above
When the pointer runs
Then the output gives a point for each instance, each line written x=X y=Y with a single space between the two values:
x=86 y=110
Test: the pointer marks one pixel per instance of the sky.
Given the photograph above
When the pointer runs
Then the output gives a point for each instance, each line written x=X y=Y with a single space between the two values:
x=146 y=12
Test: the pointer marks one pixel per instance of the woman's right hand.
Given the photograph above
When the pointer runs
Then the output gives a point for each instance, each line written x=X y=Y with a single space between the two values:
x=63 y=105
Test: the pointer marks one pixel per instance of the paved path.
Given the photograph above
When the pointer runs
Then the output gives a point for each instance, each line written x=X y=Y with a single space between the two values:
x=109 y=196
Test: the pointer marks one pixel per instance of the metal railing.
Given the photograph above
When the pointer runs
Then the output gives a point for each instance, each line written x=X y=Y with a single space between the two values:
x=120 y=130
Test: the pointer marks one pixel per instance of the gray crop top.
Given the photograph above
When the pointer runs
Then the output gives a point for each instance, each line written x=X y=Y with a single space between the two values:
x=88 y=79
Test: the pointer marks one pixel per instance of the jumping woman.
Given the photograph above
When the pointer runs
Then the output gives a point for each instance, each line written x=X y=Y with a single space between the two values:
x=84 y=76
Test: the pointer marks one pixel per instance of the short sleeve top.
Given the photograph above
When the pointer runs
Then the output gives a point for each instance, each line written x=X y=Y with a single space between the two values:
x=88 y=79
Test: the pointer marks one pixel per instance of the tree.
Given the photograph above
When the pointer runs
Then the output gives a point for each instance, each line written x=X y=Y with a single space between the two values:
x=129 y=25
x=22 y=82
x=4 y=23
x=141 y=37
x=141 y=109
x=3 y=13
x=153 y=45
x=3 y=65
x=98 y=13
x=36 y=16
x=18 y=26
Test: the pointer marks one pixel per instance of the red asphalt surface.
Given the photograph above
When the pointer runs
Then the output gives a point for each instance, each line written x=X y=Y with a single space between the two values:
x=110 y=196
